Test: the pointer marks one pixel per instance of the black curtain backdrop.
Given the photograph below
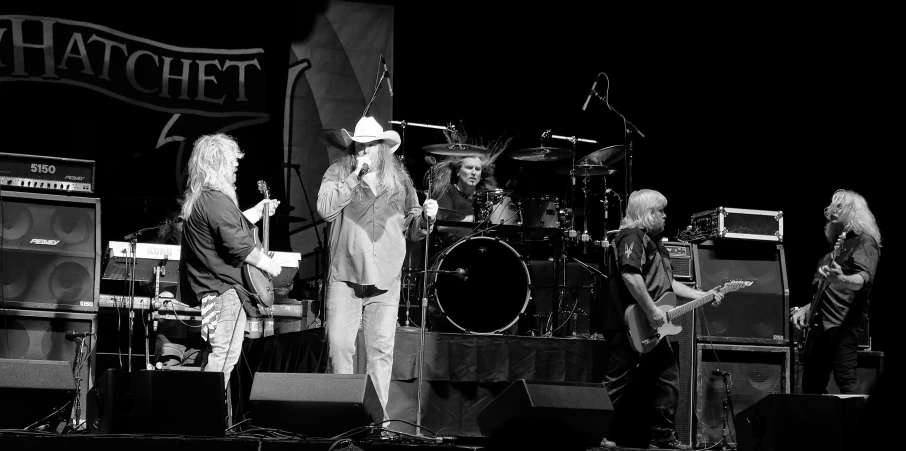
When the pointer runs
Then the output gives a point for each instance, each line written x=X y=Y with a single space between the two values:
x=742 y=106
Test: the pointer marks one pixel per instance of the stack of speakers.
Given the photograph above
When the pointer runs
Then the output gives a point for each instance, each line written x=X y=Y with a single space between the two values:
x=747 y=336
x=49 y=251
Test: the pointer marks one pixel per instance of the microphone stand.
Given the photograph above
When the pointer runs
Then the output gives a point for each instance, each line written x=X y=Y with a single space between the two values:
x=373 y=96
x=627 y=140
x=424 y=313
x=132 y=238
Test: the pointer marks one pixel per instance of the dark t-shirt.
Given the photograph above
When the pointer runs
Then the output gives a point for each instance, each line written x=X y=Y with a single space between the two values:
x=453 y=206
x=859 y=254
x=633 y=250
x=216 y=239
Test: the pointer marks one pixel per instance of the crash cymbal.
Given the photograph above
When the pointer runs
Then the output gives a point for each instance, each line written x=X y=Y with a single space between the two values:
x=542 y=153
x=607 y=156
x=455 y=150
x=586 y=170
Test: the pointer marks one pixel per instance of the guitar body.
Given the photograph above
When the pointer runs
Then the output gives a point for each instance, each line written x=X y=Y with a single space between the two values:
x=642 y=336
x=258 y=282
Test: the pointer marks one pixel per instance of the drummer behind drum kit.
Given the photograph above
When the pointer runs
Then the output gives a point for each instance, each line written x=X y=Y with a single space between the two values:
x=481 y=283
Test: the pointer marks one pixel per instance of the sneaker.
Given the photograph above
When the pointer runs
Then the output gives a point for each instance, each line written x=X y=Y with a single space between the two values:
x=673 y=444
x=607 y=444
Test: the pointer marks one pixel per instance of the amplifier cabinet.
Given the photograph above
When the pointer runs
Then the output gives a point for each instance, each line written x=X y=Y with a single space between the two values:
x=758 y=314
x=681 y=260
x=49 y=251
x=754 y=372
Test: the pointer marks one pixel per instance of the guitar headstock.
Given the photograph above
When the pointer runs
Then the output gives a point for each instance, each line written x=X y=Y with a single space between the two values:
x=263 y=189
x=839 y=243
x=733 y=285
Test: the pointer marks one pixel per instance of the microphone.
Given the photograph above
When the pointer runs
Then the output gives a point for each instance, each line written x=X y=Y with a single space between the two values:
x=71 y=336
x=387 y=72
x=364 y=170
x=430 y=160
x=591 y=92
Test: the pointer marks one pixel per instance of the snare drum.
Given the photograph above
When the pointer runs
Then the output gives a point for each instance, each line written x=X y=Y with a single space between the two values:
x=541 y=211
x=497 y=207
x=494 y=290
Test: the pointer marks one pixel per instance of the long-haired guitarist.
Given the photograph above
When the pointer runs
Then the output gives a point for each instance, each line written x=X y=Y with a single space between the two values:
x=643 y=387
x=368 y=198
x=216 y=241
x=841 y=287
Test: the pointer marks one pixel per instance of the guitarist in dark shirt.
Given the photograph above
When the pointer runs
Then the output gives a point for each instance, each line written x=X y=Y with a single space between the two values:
x=841 y=287
x=640 y=273
x=216 y=241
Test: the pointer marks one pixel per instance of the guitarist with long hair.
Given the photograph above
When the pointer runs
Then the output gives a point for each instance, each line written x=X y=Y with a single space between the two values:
x=216 y=241
x=842 y=283
x=640 y=272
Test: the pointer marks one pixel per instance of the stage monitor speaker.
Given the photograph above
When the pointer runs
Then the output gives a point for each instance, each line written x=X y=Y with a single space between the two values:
x=108 y=403
x=178 y=402
x=50 y=249
x=319 y=405
x=781 y=422
x=753 y=315
x=41 y=335
x=544 y=409
x=755 y=372
x=32 y=390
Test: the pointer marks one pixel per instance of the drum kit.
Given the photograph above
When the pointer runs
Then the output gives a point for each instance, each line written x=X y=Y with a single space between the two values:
x=482 y=283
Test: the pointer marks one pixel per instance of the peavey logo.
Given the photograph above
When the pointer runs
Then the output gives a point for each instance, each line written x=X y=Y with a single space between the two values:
x=74 y=177
x=44 y=242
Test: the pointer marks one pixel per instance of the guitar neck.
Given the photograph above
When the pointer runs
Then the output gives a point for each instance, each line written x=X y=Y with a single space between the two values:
x=690 y=306
x=265 y=224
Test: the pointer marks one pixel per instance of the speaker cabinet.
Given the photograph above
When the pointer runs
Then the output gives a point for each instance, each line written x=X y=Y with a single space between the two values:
x=754 y=372
x=49 y=253
x=178 y=402
x=753 y=315
x=321 y=405
x=32 y=390
x=547 y=409
x=41 y=335
x=783 y=422
x=108 y=403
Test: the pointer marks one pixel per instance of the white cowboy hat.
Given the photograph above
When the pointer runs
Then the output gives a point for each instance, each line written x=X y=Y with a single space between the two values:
x=368 y=129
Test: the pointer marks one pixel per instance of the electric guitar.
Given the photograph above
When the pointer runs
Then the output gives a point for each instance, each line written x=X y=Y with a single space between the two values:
x=259 y=282
x=644 y=338
x=806 y=341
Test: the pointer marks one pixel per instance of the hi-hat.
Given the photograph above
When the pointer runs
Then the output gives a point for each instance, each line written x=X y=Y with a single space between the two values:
x=542 y=153
x=586 y=170
x=607 y=156
x=455 y=150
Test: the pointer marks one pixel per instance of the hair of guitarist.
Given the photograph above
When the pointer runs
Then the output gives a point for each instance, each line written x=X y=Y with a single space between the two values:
x=641 y=207
x=852 y=210
x=212 y=166
x=391 y=174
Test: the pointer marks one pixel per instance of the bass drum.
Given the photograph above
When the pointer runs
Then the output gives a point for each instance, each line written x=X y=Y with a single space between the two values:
x=489 y=296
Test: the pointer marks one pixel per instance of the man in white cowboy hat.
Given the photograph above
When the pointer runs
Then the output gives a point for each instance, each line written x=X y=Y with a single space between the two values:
x=372 y=207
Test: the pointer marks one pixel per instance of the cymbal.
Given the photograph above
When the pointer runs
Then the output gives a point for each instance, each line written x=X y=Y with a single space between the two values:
x=455 y=150
x=542 y=153
x=586 y=170
x=607 y=156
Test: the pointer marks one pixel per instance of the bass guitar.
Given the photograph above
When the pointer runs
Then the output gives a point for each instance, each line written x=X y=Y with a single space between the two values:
x=644 y=338
x=259 y=282
x=806 y=340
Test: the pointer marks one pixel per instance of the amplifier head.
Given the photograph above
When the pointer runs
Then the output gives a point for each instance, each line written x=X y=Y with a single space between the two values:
x=681 y=260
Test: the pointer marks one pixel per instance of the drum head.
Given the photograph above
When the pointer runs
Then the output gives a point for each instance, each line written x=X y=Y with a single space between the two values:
x=495 y=291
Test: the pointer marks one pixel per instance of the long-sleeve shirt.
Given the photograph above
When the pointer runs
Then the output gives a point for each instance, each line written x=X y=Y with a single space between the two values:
x=367 y=232
x=216 y=239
